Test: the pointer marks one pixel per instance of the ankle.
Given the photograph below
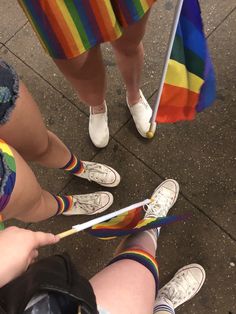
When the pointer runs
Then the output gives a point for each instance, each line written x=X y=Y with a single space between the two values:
x=133 y=98
x=98 y=109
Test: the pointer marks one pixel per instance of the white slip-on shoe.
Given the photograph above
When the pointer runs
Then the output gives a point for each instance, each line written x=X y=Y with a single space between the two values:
x=98 y=128
x=164 y=197
x=141 y=113
x=99 y=173
x=90 y=204
x=184 y=285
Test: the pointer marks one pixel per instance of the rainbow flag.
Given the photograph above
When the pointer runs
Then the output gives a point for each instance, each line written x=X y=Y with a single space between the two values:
x=190 y=81
x=129 y=223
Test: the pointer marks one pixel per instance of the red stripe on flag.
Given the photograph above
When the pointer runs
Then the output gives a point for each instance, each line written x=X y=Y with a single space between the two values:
x=176 y=104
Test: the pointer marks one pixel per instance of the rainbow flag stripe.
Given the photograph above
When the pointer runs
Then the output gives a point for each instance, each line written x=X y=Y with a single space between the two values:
x=190 y=80
x=67 y=28
x=9 y=177
x=130 y=223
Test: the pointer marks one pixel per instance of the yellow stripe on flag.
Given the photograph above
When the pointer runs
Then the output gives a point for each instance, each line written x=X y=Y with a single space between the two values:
x=178 y=75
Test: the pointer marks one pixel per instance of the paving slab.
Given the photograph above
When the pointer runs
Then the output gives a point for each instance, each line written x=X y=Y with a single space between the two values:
x=61 y=117
x=200 y=154
x=12 y=19
x=196 y=240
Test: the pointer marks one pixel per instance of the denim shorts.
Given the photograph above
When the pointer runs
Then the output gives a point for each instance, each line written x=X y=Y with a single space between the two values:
x=9 y=90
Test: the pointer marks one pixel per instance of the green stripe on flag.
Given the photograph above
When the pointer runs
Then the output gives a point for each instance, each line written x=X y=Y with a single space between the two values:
x=193 y=63
x=2 y=227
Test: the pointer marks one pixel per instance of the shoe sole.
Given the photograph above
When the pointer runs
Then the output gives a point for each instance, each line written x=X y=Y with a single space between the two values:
x=176 y=192
x=200 y=284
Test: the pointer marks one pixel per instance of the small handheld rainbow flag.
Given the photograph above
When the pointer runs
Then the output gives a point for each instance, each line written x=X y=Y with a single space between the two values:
x=128 y=220
x=129 y=223
x=188 y=81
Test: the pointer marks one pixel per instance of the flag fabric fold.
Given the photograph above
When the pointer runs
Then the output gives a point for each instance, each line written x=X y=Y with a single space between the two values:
x=189 y=85
x=130 y=223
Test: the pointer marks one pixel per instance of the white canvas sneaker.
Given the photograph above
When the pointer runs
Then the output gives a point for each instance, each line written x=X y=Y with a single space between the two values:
x=184 y=285
x=99 y=173
x=90 y=204
x=164 y=197
x=98 y=128
x=141 y=113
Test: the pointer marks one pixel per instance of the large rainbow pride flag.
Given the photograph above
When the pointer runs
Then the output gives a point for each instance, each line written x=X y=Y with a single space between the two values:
x=190 y=81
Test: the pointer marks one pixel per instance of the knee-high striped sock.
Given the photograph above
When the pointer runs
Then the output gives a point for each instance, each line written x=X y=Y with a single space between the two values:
x=64 y=203
x=163 y=306
x=74 y=165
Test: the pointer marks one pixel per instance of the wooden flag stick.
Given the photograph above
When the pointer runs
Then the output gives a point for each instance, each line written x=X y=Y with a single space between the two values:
x=178 y=9
x=103 y=218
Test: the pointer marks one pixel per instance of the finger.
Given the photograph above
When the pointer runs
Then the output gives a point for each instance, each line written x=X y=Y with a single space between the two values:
x=42 y=239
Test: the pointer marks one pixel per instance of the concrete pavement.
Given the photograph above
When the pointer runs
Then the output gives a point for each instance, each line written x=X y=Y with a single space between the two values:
x=199 y=154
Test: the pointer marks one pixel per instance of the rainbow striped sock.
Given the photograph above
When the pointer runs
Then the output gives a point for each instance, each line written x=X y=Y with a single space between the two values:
x=64 y=203
x=142 y=257
x=74 y=165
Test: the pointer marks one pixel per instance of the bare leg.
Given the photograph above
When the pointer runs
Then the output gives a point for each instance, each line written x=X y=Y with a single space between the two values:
x=27 y=133
x=129 y=54
x=28 y=201
x=87 y=74
x=122 y=287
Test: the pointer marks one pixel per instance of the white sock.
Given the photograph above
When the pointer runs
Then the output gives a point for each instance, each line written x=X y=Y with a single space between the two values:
x=163 y=305
x=153 y=233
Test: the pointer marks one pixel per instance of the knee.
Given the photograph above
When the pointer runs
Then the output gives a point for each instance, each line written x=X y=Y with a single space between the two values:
x=129 y=49
x=41 y=149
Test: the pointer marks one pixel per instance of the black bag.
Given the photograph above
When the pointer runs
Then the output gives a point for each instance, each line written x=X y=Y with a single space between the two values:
x=55 y=276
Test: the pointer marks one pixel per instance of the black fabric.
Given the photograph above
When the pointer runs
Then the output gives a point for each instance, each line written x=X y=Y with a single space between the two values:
x=56 y=275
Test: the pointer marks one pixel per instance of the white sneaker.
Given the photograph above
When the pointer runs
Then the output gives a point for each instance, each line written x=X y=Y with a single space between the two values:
x=99 y=173
x=90 y=204
x=184 y=285
x=164 y=197
x=98 y=128
x=141 y=113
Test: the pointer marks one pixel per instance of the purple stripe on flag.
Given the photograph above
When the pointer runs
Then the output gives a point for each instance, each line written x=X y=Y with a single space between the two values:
x=208 y=90
x=191 y=10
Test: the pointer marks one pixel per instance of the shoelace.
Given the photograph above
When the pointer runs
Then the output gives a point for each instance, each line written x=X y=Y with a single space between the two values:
x=158 y=207
x=178 y=289
x=96 y=172
x=87 y=202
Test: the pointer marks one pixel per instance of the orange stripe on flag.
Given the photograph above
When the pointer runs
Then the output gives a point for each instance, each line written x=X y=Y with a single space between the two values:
x=176 y=104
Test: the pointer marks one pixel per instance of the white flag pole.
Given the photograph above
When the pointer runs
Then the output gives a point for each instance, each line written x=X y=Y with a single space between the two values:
x=103 y=218
x=152 y=129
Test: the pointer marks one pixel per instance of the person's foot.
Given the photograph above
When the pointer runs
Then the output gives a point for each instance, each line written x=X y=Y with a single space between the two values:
x=164 y=197
x=141 y=113
x=183 y=286
x=99 y=173
x=98 y=128
x=90 y=204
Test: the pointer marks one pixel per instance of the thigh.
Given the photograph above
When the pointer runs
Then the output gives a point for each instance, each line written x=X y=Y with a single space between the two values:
x=24 y=193
x=132 y=35
x=125 y=287
x=25 y=129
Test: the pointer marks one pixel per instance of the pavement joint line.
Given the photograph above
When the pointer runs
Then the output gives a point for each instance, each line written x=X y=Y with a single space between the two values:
x=17 y=31
x=220 y=23
x=50 y=84
x=181 y=193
